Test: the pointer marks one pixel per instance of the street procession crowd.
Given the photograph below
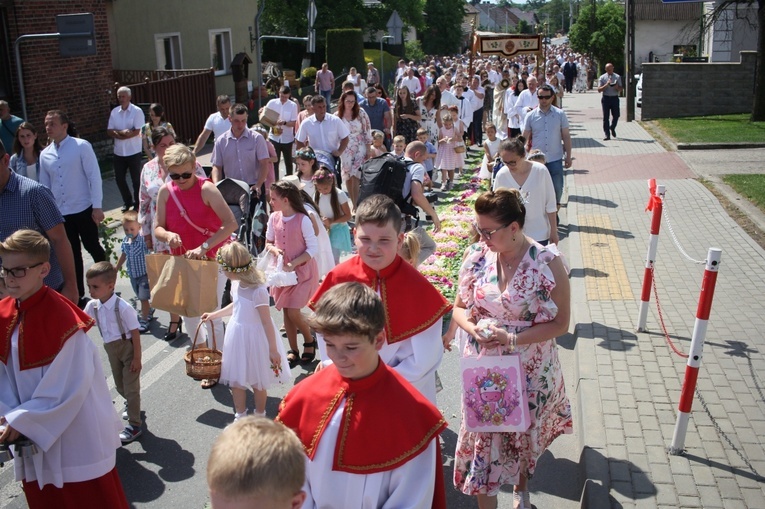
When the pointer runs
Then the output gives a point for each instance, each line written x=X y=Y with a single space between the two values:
x=363 y=429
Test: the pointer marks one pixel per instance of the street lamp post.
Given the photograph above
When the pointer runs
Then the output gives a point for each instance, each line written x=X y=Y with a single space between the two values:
x=382 y=60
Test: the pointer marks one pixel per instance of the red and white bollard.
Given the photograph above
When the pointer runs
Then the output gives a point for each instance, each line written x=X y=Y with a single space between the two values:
x=656 y=204
x=697 y=344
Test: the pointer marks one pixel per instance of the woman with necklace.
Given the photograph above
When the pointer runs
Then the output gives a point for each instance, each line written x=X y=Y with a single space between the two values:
x=535 y=186
x=523 y=288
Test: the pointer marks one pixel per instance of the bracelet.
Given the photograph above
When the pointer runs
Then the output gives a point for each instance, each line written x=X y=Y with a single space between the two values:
x=512 y=341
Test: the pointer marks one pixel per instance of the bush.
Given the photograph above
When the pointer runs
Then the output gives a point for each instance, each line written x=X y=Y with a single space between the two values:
x=309 y=72
x=413 y=51
x=345 y=49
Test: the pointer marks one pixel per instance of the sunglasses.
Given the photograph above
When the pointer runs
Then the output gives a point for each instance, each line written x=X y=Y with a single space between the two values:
x=18 y=272
x=178 y=176
x=544 y=97
x=488 y=233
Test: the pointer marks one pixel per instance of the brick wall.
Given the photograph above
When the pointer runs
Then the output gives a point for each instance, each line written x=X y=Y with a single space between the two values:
x=690 y=89
x=80 y=85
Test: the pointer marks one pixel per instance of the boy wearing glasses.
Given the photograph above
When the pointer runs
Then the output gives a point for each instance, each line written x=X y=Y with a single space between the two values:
x=52 y=389
x=548 y=129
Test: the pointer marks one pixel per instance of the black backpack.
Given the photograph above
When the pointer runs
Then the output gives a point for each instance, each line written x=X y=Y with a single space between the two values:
x=386 y=175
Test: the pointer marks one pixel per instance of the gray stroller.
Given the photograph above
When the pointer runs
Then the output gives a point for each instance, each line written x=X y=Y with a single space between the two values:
x=252 y=223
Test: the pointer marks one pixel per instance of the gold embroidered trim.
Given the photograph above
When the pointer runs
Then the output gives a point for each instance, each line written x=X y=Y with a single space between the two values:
x=327 y=413
x=364 y=468
x=4 y=355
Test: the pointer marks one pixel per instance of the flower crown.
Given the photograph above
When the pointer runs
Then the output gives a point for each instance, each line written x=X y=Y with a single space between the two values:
x=228 y=268
x=306 y=154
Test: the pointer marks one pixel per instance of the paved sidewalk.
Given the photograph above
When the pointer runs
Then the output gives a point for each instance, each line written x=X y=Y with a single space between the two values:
x=629 y=383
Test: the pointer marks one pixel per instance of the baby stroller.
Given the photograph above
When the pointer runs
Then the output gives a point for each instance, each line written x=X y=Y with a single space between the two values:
x=252 y=223
x=251 y=232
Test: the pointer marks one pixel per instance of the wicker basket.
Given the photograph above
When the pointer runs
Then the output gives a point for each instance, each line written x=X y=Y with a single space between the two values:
x=202 y=363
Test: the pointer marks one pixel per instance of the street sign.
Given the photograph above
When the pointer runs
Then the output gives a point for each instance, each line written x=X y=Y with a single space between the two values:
x=311 y=15
x=395 y=25
x=76 y=35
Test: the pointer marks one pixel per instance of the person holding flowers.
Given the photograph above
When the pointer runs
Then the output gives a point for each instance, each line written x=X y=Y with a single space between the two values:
x=252 y=356
x=513 y=297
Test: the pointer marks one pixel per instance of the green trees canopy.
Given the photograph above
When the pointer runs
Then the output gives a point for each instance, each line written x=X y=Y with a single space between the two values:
x=443 y=30
x=599 y=30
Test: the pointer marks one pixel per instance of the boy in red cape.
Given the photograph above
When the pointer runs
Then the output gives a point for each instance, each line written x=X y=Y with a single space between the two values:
x=371 y=438
x=52 y=388
x=414 y=309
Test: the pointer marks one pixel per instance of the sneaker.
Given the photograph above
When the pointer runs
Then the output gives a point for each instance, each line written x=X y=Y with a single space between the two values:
x=143 y=325
x=124 y=412
x=129 y=434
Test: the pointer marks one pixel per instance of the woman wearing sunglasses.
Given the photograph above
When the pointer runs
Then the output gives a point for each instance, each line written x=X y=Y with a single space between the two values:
x=194 y=220
x=522 y=287
x=154 y=176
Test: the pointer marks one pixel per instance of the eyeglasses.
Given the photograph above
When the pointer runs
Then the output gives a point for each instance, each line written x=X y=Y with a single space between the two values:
x=18 y=272
x=544 y=97
x=511 y=162
x=488 y=233
x=178 y=176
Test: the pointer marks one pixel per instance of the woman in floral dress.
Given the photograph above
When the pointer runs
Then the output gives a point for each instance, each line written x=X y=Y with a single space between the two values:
x=524 y=288
x=359 y=140
x=429 y=105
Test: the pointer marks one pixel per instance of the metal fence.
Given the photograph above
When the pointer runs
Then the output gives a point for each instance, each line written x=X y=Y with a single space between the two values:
x=187 y=95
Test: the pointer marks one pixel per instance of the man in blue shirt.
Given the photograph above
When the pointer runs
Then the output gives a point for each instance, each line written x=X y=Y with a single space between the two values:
x=378 y=113
x=69 y=168
x=10 y=123
x=548 y=129
x=25 y=204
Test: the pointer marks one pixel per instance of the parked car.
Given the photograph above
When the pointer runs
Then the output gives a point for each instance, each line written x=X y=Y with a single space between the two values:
x=639 y=93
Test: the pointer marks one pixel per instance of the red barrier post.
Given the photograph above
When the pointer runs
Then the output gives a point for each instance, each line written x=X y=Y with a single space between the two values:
x=694 y=356
x=656 y=204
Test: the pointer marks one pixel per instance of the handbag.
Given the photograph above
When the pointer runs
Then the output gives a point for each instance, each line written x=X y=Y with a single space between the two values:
x=277 y=277
x=494 y=394
x=459 y=147
x=183 y=286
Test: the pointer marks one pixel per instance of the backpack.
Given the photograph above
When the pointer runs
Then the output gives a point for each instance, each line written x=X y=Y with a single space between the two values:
x=386 y=174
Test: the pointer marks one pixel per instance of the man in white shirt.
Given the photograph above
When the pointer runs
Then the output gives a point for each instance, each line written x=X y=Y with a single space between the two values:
x=125 y=123
x=494 y=76
x=326 y=134
x=69 y=168
x=411 y=82
x=478 y=93
x=400 y=72
x=216 y=124
x=447 y=98
x=282 y=135
x=527 y=101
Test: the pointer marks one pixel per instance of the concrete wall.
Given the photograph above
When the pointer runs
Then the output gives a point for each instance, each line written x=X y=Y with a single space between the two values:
x=77 y=85
x=687 y=90
x=659 y=37
x=135 y=23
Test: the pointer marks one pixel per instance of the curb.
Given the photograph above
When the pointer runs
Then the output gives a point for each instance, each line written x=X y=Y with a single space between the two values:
x=755 y=214
x=593 y=461
x=720 y=146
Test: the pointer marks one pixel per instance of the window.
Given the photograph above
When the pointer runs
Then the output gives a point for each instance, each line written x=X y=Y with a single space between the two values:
x=220 y=51
x=168 y=47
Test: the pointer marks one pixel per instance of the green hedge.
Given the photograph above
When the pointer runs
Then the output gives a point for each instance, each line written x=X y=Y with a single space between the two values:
x=345 y=49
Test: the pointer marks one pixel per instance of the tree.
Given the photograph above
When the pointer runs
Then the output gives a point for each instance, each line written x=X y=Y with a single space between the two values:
x=409 y=10
x=443 y=26
x=523 y=27
x=600 y=30
x=719 y=11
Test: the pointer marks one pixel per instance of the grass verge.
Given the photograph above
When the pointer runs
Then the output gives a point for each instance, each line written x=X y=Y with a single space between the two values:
x=751 y=187
x=713 y=129
x=738 y=215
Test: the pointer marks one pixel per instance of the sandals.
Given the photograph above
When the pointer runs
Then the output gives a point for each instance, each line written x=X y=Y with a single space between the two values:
x=209 y=383
x=294 y=359
x=521 y=500
x=307 y=358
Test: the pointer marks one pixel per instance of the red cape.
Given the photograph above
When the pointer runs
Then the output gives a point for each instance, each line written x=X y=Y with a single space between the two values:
x=46 y=320
x=386 y=422
x=411 y=303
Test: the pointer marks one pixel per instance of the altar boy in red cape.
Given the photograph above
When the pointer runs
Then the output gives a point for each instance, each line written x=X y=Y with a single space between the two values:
x=52 y=388
x=414 y=309
x=371 y=438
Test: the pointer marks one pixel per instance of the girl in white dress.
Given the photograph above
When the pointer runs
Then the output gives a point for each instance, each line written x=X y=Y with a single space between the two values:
x=490 y=150
x=252 y=357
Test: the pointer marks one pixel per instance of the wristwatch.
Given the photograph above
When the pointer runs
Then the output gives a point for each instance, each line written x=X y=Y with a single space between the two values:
x=206 y=246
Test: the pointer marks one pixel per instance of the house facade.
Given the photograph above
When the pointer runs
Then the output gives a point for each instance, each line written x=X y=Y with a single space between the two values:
x=665 y=29
x=181 y=34
x=734 y=31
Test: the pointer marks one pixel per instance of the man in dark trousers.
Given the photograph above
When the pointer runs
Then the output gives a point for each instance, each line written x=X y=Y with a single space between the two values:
x=569 y=73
